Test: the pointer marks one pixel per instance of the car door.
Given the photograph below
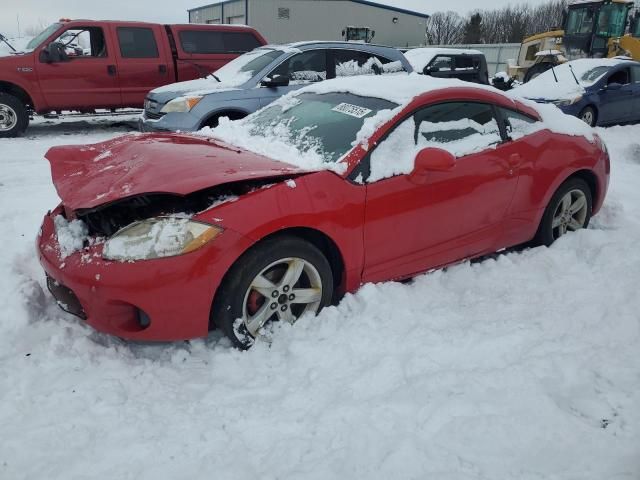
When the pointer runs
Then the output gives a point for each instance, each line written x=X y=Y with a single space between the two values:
x=302 y=69
x=142 y=61
x=456 y=214
x=635 y=88
x=616 y=98
x=83 y=80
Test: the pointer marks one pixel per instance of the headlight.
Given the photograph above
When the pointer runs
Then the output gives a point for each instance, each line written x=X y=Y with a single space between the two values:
x=158 y=238
x=568 y=101
x=181 y=104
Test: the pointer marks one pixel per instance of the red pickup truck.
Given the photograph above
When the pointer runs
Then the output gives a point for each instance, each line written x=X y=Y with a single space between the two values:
x=84 y=65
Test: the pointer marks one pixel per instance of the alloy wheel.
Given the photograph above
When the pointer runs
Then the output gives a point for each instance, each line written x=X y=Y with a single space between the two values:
x=587 y=117
x=570 y=214
x=283 y=291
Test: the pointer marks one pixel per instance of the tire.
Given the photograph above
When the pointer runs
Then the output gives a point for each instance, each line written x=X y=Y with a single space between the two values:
x=14 y=117
x=240 y=310
x=537 y=70
x=589 y=116
x=557 y=220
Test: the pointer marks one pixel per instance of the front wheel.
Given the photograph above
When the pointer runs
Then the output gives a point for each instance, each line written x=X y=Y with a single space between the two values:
x=588 y=116
x=14 y=117
x=279 y=280
x=568 y=211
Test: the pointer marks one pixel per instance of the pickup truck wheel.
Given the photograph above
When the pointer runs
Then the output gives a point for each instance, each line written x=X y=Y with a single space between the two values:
x=14 y=117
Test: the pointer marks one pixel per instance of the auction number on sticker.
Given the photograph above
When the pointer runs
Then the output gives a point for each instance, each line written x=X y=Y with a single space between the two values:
x=352 y=110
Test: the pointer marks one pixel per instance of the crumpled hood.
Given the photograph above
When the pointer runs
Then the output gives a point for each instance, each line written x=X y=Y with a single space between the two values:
x=92 y=175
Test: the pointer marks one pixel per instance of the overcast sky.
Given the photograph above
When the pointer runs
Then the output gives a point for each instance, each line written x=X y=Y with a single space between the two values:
x=35 y=12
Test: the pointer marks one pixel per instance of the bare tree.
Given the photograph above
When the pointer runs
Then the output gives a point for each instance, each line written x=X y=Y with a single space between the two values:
x=506 y=25
x=36 y=28
x=445 y=28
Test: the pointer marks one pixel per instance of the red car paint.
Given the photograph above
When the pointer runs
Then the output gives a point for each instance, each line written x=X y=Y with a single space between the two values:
x=391 y=229
x=112 y=81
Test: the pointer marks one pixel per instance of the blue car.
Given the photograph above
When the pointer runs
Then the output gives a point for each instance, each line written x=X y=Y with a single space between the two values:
x=259 y=77
x=598 y=91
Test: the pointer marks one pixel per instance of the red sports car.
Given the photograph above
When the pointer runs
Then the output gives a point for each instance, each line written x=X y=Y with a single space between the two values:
x=165 y=236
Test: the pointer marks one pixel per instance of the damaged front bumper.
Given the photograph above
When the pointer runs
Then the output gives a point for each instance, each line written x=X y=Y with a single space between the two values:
x=166 y=299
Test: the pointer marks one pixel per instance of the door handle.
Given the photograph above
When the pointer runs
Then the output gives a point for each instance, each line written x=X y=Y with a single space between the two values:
x=111 y=70
x=162 y=69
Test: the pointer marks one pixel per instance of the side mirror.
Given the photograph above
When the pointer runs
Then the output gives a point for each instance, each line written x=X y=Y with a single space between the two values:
x=55 y=52
x=276 y=81
x=431 y=160
x=613 y=86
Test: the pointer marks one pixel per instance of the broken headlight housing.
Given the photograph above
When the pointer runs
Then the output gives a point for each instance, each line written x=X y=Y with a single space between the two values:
x=158 y=237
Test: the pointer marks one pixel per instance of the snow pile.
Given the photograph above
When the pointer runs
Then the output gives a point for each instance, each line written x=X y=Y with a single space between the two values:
x=20 y=44
x=420 y=58
x=523 y=366
x=71 y=235
x=545 y=87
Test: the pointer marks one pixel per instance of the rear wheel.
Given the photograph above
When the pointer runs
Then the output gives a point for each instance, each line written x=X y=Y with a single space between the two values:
x=568 y=211
x=588 y=116
x=14 y=117
x=279 y=280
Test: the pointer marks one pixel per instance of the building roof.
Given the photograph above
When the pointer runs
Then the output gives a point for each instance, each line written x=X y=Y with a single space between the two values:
x=362 y=2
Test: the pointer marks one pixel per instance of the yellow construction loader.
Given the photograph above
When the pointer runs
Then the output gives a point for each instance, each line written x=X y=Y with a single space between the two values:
x=592 y=28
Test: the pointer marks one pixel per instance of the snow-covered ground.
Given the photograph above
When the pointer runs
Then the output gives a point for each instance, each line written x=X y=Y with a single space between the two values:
x=526 y=366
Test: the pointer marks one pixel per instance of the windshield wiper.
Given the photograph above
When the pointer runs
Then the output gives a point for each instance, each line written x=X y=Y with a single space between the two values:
x=574 y=74
x=214 y=76
x=4 y=39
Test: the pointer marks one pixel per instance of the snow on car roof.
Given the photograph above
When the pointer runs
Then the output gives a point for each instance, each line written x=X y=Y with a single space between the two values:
x=399 y=89
x=545 y=87
x=421 y=57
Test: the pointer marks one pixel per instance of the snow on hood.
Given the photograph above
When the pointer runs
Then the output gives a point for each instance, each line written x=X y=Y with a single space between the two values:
x=419 y=58
x=200 y=86
x=545 y=87
x=93 y=175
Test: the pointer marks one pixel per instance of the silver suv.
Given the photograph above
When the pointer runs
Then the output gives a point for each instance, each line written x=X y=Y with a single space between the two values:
x=259 y=77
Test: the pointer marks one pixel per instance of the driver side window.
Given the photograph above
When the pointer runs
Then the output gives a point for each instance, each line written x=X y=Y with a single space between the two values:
x=83 y=42
x=306 y=67
x=460 y=128
x=621 y=77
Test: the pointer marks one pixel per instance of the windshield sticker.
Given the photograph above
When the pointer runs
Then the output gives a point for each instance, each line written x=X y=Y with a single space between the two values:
x=352 y=110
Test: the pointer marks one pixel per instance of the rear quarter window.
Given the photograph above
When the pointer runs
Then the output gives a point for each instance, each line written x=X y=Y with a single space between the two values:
x=212 y=42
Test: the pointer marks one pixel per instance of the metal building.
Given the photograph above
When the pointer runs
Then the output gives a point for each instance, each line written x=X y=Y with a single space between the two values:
x=285 y=21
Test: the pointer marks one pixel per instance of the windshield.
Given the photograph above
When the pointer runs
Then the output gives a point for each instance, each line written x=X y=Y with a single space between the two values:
x=580 y=20
x=612 y=20
x=243 y=68
x=309 y=130
x=592 y=76
x=36 y=41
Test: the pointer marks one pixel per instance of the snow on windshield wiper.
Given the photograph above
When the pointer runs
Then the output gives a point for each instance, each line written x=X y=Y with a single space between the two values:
x=4 y=39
